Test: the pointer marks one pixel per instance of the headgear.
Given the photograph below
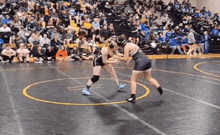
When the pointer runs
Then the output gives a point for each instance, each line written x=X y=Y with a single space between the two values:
x=121 y=41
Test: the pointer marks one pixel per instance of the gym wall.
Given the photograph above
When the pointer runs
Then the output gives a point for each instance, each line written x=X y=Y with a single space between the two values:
x=193 y=2
x=212 y=5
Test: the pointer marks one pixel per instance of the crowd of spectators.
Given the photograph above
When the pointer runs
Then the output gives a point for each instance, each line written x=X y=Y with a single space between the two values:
x=71 y=29
x=175 y=26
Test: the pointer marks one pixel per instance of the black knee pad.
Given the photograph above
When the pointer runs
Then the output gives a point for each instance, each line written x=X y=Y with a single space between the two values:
x=95 y=78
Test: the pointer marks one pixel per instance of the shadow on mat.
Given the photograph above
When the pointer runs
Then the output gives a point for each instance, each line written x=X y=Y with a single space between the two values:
x=152 y=104
x=117 y=121
x=137 y=108
x=106 y=113
x=133 y=107
x=95 y=99
x=115 y=94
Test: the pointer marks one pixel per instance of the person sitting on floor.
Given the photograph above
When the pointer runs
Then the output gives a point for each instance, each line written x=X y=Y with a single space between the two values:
x=45 y=41
x=23 y=53
x=38 y=54
x=85 y=54
x=62 y=54
x=8 y=54
x=56 y=43
x=49 y=54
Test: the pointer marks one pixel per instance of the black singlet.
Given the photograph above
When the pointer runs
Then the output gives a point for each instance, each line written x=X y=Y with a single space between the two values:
x=98 y=60
x=142 y=62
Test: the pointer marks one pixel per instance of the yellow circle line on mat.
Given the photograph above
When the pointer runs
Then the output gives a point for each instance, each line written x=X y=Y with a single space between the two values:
x=196 y=68
x=25 y=92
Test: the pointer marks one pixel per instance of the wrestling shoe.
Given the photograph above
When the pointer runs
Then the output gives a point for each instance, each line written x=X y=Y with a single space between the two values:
x=160 y=90
x=122 y=86
x=132 y=100
x=85 y=91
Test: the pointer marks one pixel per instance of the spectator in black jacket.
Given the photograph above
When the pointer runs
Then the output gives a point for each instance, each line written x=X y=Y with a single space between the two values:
x=54 y=17
x=65 y=18
x=216 y=18
x=38 y=54
x=68 y=38
x=105 y=33
x=23 y=5
x=49 y=54
x=56 y=43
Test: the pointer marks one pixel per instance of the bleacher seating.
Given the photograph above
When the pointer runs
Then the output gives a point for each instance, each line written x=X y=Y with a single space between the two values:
x=214 y=47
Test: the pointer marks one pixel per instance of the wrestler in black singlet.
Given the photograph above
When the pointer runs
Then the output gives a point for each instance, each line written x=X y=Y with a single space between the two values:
x=142 y=62
x=98 y=60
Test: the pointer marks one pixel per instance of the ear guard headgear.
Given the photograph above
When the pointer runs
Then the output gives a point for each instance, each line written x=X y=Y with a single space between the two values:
x=111 y=45
x=121 y=41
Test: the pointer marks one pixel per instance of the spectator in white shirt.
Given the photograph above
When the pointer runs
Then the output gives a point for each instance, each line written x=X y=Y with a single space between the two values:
x=5 y=28
x=96 y=24
x=8 y=54
x=45 y=42
x=5 y=33
x=34 y=40
x=20 y=14
x=23 y=53
x=158 y=21
x=164 y=19
x=191 y=42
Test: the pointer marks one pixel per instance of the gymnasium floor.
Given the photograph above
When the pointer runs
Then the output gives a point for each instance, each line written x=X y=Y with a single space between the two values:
x=46 y=99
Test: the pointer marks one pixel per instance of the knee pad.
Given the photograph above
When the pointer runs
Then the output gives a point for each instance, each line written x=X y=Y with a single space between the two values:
x=95 y=78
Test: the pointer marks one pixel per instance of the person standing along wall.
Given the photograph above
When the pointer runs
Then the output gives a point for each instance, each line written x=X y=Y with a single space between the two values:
x=206 y=42
x=191 y=42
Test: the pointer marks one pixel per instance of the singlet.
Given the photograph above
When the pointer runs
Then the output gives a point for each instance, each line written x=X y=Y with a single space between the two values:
x=98 y=60
x=142 y=62
x=134 y=50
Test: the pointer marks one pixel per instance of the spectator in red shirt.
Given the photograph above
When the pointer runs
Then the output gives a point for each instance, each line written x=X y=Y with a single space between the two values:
x=62 y=54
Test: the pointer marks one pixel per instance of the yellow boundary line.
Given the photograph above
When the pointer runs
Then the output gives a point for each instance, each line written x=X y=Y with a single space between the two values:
x=196 y=68
x=25 y=92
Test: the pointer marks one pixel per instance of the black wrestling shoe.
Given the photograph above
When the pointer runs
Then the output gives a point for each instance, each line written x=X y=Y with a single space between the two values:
x=160 y=90
x=132 y=100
